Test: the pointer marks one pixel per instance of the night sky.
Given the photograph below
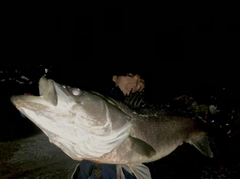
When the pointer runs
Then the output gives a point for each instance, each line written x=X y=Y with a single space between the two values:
x=182 y=48
x=119 y=32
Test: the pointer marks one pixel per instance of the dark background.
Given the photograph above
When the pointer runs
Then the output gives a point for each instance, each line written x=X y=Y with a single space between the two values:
x=185 y=49
x=113 y=32
x=176 y=43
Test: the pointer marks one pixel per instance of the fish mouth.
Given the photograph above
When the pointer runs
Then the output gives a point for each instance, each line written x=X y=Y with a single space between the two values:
x=47 y=92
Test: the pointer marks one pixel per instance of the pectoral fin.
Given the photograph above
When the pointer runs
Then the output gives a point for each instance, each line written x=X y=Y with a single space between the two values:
x=141 y=147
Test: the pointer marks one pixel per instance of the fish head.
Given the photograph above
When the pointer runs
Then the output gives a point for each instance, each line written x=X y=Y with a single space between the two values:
x=71 y=117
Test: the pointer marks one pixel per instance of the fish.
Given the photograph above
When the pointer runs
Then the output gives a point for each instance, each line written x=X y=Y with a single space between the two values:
x=87 y=125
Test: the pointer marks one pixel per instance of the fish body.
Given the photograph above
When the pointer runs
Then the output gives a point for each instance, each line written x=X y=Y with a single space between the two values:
x=88 y=125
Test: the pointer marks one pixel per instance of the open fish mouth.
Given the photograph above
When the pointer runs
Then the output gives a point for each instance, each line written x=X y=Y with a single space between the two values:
x=69 y=118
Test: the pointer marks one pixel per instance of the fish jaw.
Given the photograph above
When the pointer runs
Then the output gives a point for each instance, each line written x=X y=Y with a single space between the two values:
x=73 y=122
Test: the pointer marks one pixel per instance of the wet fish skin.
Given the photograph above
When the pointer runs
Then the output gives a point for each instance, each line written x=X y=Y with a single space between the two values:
x=87 y=125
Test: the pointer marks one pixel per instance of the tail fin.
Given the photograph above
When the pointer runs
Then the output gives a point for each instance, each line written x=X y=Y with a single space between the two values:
x=203 y=145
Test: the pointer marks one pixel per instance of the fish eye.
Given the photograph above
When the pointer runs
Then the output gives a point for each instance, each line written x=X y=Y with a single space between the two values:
x=76 y=91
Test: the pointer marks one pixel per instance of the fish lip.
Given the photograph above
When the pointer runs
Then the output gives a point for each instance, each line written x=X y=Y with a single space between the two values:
x=18 y=101
x=14 y=98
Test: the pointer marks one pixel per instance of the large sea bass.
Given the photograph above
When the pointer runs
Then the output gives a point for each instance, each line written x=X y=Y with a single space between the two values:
x=88 y=125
